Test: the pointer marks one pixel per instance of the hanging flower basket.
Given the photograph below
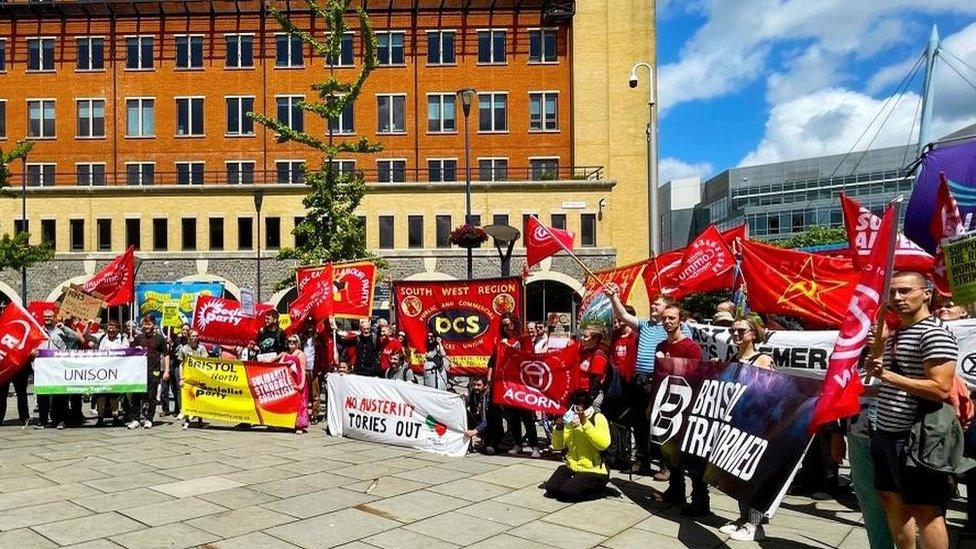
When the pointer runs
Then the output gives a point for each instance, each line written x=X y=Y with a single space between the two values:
x=468 y=236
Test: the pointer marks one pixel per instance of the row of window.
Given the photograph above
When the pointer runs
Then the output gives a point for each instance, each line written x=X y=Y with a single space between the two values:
x=390 y=115
x=290 y=51
x=272 y=231
x=242 y=172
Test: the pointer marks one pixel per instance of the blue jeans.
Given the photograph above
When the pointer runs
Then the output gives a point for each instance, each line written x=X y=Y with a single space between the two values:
x=173 y=384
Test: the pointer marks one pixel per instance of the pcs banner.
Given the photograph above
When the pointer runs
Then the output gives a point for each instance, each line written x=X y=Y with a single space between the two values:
x=234 y=391
x=153 y=297
x=465 y=314
x=744 y=427
x=89 y=371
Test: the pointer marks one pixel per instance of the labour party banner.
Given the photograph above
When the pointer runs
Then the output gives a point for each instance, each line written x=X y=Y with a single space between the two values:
x=744 y=428
x=152 y=297
x=354 y=286
x=90 y=371
x=394 y=412
x=239 y=392
x=538 y=382
x=960 y=259
x=465 y=314
x=223 y=321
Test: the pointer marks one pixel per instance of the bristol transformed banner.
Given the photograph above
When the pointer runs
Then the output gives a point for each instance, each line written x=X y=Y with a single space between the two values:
x=89 y=371
x=239 y=392
x=465 y=314
x=744 y=427
x=152 y=297
x=394 y=412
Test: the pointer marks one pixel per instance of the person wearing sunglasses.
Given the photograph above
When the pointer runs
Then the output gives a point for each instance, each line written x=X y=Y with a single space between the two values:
x=296 y=360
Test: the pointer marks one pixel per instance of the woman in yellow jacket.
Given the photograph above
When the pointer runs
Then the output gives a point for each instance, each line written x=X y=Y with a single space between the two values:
x=584 y=433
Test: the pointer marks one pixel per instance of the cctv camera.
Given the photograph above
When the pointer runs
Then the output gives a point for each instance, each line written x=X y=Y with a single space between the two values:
x=633 y=81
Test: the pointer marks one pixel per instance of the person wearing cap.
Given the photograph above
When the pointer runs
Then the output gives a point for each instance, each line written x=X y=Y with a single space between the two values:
x=723 y=318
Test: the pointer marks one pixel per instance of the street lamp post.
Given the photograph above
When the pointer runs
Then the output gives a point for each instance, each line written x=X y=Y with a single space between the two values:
x=258 y=200
x=653 y=217
x=466 y=95
x=23 y=226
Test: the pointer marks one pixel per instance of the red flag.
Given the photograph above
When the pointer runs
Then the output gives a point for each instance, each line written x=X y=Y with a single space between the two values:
x=19 y=335
x=542 y=242
x=222 y=321
x=354 y=284
x=707 y=265
x=315 y=301
x=114 y=281
x=37 y=309
x=863 y=228
x=661 y=273
x=947 y=223
x=539 y=382
x=812 y=287
x=841 y=391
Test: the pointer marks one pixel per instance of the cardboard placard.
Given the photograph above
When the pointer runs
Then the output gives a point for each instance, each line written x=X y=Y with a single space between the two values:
x=171 y=315
x=77 y=303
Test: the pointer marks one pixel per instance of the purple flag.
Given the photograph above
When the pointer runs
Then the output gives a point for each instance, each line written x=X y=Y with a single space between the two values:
x=959 y=164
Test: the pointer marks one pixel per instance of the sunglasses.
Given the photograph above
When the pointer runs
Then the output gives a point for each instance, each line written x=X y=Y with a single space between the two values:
x=740 y=331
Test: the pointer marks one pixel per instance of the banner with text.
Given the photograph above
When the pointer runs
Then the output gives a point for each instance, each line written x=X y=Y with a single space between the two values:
x=465 y=314
x=354 y=282
x=235 y=391
x=960 y=258
x=393 y=412
x=744 y=428
x=153 y=297
x=538 y=382
x=223 y=321
x=595 y=309
x=89 y=371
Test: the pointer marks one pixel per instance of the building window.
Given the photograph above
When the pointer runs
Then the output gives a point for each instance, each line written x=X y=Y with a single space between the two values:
x=441 y=114
x=140 y=117
x=343 y=167
x=91 y=118
x=103 y=231
x=3 y=54
x=272 y=233
x=345 y=58
x=140 y=173
x=361 y=225
x=389 y=48
x=289 y=113
x=91 y=53
x=476 y=220
x=189 y=116
x=21 y=226
x=415 y=231
x=238 y=122
x=491 y=46
x=240 y=51
x=3 y=118
x=133 y=236
x=443 y=223
x=543 y=112
x=544 y=169
x=240 y=172
x=588 y=229
x=40 y=118
x=189 y=173
x=542 y=46
x=559 y=221
x=49 y=233
x=91 y=175
x=441 y=169
x=40 y=54
x=289 y=51
x=391 y=171
x=492 y=112
x=245 y=233
x=77 y=237
x=160 y=234
x=440 y=47
x=499 y=219
x=300 y=239
x=139 y=52
x=386 y=232
x=492 y=169
x=216 y=233
x=290 y=171
x=40 y=175
x=391 y=113
x=189 y=52
x=188 y=238
x=345 y=123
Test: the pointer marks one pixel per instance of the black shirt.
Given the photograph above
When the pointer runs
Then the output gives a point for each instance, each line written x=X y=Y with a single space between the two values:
x=367 y=355
x=155 y=347
x=271 y=340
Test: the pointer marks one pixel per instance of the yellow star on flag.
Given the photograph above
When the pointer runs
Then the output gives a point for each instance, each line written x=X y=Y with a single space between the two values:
x=807 y=285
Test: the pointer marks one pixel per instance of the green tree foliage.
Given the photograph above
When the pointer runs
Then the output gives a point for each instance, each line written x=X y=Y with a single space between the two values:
x=16 y=252
x=330 y=231
x=814 y=236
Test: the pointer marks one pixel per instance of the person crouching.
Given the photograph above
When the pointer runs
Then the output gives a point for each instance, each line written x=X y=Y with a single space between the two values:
x=584 y=433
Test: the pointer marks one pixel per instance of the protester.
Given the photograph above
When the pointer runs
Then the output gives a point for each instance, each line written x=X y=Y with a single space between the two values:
x=54 y=409
x=390 y=349
x=314 y=354
x=20 y=382
x=363 y=344
x=617 y=404
x=157 y=364
x=476 y=403
x=539 y=335
x=916 y=375
x=518 y=418
x=172 y=385
x=192 y=347
x=270 y=338
x=296 y=360
x=106 y=406
x=583 y=433
x=593 y=362
x=436 y=363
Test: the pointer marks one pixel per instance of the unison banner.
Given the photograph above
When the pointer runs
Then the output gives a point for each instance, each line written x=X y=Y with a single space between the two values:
x=394 y=412
x=89 y=371
x=744 y=427
x=152 y=297
x=239 y=392
x=465 y=314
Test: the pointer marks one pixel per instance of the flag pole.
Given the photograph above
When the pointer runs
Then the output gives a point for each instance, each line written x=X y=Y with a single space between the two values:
x=571 y=254
x=877 y=349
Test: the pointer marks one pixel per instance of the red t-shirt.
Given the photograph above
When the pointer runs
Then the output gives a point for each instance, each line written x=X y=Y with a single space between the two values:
x=684 y=348
x=624 y=357
x=592 y=365
x=392 y=347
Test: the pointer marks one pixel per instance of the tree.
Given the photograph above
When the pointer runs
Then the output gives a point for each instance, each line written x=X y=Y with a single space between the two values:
x=814 y=236
x=330 y=231
x=16 y=252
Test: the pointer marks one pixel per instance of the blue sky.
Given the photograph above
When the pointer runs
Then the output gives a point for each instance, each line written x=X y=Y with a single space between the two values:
x=745 y=82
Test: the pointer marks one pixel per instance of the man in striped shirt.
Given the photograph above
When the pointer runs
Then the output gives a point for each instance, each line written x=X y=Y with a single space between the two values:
x=917 y=366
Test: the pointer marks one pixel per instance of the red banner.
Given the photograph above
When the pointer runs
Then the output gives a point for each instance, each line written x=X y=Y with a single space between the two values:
x=707 y=265
x=542 y=242
x=354 y=285
x=624 y=277
x=114 y=281
x=222 y=321
x=863 y=228
x=37 y=309
x=539 y=382
x=19 y=335
x=465 y=314
x=315 y=301
x=947 y=223
x=661 y=274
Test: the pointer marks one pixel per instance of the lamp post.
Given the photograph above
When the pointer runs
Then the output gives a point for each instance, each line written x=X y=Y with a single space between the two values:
x=23 y=226
x=466 y=95
x=653 y=218
x=258 y=200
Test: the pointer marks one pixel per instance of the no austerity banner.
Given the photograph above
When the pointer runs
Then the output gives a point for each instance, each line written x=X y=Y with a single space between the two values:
x=235 y=391
x=744 y=427
x=153 y=297
x=465 y=314
x=223 y=321
x=90 y=371
x=354 y=286
x=539 y=382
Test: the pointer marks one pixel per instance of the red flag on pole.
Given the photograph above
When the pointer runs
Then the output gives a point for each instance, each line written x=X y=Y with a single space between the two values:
x=947 y=223
x=841 y=391
x=314 y=302
x=542 y=242
x=707 y=264
x=540 y=382
x=19 y=335
x=863 y=228
x=114 y=281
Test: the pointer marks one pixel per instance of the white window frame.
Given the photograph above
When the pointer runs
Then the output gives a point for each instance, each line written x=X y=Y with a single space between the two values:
x=241 y=116
x=141 y=183
x=441 y=95
x=42 y=101
x=40 y=173
x=3 y=120
x=189 y=111
x=441 y=62
x=90 y=171
x=492 y=31
x=341 y=119
x=239 y=66
x=344 y=165
x=291 y=62
x=442 y=160
x=507 y=111
x=90 y=101
x=389 y=63
x=493 y=159
x=544 y=94
x=89 y=40
x=340 y=64
x=238 y=163
x=294 y=100
x=190 y=164
x=189 y=56
x=392 y=170
x=139 y=38
x=141 y=107
x=54 y=61
x=543 y=45
x=556 y=158
x=391 y=131
x=292 y=171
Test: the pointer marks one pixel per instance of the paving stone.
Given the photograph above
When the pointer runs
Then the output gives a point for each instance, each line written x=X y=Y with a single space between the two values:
x=127 y=482
x=47 y=494
x=503 y=513
x=515 y=476
x=200 y=470
x=602 y=517
x=333 y=529
x=386 y=487
x=95 y=544
x=40 y=514
x=507 y=541
x=237 y=497
x=557 y=535
x=432 y=475
x=532 y=497
x=176 y=510
x=195 y=487
x=300 y=485
x=402 y=538
x=258 y=476
x=457 y=528
x=634 y=538
x=240 y=521
x=252 y=541
x=260 y=461
x=470 y=490
x=23 y=482
x=319 y=503
x=120 y=500
x=413 y=506
x=24 y=539
x=677 y=527
x=73 y=473
x=365 y=471
x=77 y=530
x=175 y=536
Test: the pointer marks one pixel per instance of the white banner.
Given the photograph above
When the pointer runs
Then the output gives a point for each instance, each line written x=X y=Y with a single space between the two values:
x=394 y=412
x=90 y=371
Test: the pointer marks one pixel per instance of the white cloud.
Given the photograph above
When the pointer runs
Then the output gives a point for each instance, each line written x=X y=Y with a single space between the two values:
x=673 y=168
